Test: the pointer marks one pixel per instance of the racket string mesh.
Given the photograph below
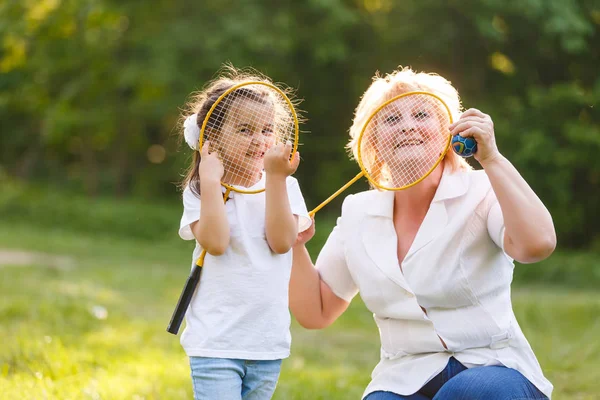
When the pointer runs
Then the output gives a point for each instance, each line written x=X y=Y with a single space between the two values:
x=404 y=141
x=242 y=126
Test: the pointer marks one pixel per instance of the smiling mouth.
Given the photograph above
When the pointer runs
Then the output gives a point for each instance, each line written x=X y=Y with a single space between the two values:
x=409 y=143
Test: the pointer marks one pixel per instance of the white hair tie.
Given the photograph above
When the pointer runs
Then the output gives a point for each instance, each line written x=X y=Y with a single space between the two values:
x=191 y=132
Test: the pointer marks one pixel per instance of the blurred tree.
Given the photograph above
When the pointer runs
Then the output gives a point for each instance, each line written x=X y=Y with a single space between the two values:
x=90 y=90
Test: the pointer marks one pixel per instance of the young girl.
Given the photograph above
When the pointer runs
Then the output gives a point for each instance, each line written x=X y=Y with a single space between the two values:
x=237 y=325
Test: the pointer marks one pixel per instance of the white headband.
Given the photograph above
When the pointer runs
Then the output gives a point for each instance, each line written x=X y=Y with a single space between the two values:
x=191 y=132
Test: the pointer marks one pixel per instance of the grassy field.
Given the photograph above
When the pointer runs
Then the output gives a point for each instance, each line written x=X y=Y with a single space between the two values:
x=85 y=318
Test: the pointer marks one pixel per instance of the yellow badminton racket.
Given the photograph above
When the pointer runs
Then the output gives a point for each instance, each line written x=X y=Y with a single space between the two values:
x=401 y=142
x=242 y=124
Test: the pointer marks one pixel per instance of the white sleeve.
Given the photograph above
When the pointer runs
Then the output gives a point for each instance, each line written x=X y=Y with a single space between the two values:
x=297 y=204
x=332 y=266
x=495 y=224
x=191 y=213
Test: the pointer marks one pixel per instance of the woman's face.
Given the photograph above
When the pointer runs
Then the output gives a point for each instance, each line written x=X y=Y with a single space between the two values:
x=246 y=134
x=408 y=137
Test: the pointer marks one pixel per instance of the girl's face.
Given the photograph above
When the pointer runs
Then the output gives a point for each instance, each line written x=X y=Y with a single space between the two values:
x=408 y=137
x=246 y=134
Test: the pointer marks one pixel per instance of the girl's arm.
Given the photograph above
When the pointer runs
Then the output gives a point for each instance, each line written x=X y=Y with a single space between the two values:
x=529 y=231
x=212 y=229
x=281 y=226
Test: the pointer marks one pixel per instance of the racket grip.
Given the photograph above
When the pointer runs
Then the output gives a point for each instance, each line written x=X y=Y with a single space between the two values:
x=184 y=300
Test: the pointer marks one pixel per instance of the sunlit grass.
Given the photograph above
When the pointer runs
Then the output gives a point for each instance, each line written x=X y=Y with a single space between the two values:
x=96 y=330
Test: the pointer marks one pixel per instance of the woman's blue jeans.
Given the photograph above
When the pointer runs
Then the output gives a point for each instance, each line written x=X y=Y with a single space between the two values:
x=479 y=383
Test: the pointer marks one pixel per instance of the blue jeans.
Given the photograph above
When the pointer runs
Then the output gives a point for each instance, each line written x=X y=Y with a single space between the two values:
x=232 y=379
x=480 y=383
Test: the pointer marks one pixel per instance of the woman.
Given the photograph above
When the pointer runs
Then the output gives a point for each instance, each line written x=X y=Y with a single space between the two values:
x=434 y=264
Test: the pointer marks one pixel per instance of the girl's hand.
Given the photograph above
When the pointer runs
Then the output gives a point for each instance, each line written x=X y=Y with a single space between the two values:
x=277 y=160
x=306 y=235
x=473 y=123
x=210 y=167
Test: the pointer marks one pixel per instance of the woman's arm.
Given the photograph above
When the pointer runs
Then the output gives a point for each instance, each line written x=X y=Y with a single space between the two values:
x=312 y=302
x=529 y=231
x=529 y=236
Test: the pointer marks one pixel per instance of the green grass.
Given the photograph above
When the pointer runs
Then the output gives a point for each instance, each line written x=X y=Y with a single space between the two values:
x=96 y=328
x=129 y=264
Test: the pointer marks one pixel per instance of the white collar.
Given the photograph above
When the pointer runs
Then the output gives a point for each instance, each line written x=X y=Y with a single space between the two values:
x=260 y=185
x=452 y=185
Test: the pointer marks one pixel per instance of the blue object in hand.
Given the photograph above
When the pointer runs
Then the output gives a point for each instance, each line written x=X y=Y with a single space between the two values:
x=464 y=146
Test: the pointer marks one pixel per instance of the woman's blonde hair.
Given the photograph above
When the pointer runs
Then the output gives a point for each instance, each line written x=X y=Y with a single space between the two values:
x=202 y=101
x=398 y=82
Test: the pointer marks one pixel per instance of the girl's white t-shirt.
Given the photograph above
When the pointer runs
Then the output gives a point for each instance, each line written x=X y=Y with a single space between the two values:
x=240 y=308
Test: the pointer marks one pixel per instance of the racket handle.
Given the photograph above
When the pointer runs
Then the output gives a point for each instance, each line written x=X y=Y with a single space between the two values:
x=190 y=287
x=184 y=300
x=340 y=190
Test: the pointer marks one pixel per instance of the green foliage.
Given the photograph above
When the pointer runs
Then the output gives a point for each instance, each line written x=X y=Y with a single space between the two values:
x=90 y=90
x=49 y=209
x=577 y=270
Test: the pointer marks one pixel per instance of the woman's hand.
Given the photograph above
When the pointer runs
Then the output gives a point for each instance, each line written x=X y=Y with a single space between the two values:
x=473 y=123
x=306 y=235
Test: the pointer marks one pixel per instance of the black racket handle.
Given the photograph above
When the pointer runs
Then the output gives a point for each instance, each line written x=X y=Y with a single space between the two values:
x=184 y=300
